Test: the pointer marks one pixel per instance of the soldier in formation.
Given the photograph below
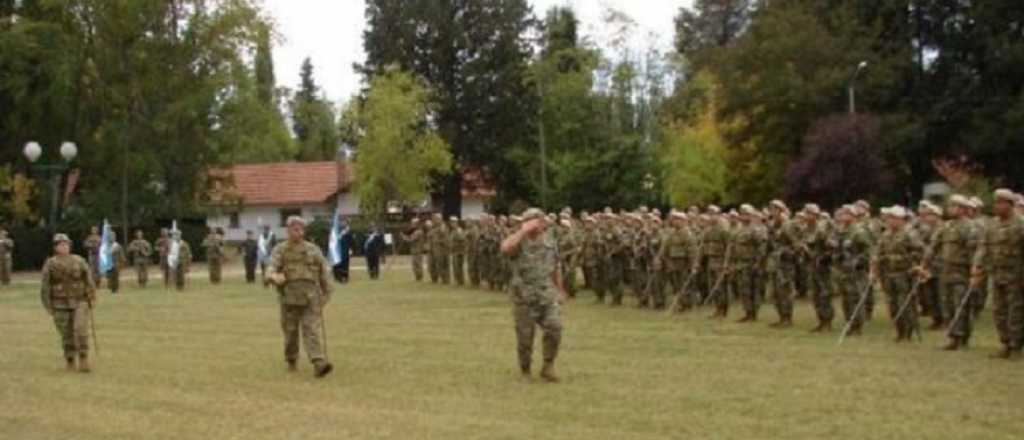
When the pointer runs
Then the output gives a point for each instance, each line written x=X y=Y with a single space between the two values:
x=92 y=249
x=214 y=245
x=69 y=295
x=6 y=257
x=117 y=262
x=140 y=252
x=163 y=246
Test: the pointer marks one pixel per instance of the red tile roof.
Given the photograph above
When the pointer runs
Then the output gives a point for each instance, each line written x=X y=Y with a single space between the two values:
x=286 y=183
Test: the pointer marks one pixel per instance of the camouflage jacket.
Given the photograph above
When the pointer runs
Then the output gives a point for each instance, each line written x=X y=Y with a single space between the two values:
x=533 y=267
x=1000 y=252
x=305 y=272
x=67 y=282
x=140 y=251
x=897 y=252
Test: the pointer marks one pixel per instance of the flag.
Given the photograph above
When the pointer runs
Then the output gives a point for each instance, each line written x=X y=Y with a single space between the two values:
x=175 y=250
x=333 y=249
x=106 y=250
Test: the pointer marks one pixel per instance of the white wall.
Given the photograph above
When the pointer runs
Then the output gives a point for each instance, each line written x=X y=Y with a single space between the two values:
x=472 y=207
x=348 y=204
x=253 y=217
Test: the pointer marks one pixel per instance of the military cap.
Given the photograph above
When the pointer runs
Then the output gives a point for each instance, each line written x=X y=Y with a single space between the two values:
x=927 y=207
x=589 y=219
x=532 y=213
x=679 y=215
x=1005 y=195
x=778 y=204
x=714 y=210
x=61 y=238
x=896 y=211
x=748 y=209
x=959 y=200
x=812 y=209
x=295 y=219
x=976 y=203
x=863 y=204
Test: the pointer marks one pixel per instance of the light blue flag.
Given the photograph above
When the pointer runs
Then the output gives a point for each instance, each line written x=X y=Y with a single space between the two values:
x=106 y=250
x=333 y=251
x=175 y=248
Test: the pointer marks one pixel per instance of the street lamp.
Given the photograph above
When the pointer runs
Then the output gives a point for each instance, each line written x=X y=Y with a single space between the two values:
x=852 y=89
x=68 y=150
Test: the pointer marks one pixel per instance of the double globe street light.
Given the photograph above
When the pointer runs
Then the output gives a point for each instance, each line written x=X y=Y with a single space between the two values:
x=53 y=171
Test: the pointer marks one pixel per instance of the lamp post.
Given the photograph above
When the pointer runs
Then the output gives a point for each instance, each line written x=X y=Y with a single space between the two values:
x=53 y=171
x=853 y=84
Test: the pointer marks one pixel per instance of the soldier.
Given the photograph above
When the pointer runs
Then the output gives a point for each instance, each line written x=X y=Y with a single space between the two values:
x=784 y=238
x=139 y=250
x=813 y=247
x=897 y=249
x=182 y=257
x=267 y=241
x=6 y=250
x=250 y=251
x=163 y=246
x=749 y=248
x=615 y=258
x=1000 y=255
x=473 y=252
x=568 y=252
x=850 y=245
x=214 y=255
x=536 y=291
x=458 y=244
x=981 y=224
x=414 y=236
x=717 y=251
x=92 y=248
x=434 y=248
x=117 y=262
x=930 y=220
x=675 y=261
x=299 y=271
x=953 y=246
x=592 y=251
x=68 y=295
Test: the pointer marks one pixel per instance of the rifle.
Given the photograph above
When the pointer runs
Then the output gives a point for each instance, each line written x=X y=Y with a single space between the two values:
x=725 y=271
x=959 y=310
x=856 y=312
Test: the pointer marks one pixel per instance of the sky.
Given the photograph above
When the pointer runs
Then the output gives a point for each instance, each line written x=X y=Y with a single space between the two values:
x=330 y=32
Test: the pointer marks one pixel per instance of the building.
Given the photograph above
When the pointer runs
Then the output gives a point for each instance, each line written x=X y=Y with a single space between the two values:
x=246 y=197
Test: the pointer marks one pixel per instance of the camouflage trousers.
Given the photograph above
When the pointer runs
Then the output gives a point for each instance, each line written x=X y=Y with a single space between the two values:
x=718 y=286
x=820 y=293
x=473 y=269
x=743 y=283
x=682 y=295
x=215 y=271
x=897 y=289
x=781 y=283
x=656 y=289
x=94 y=265
x=529 y=316
x=850 y=286
x=954 y=292
x=613 y=272
x=165 y=271
x=928 y=299
x=594 y=279
x=5 y=270
x=443 y=268
x=432 y=268
x=73 y=328
x=180 y=275
x=980 y=296
x=459 y=268
x=114 y=279
x=417 y=266
x=306 y=319
x=1008 y=312
x=141 y=274
x=569 y=278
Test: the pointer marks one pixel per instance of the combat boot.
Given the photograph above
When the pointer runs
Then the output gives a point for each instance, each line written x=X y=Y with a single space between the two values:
x=548 y=372
x=525 y=371
x=83 y=364
x=746 y=318
x=820 y=328
x=322 y=368
x=292 y=367
x=1005 y=353
x=70 y=364
x=954 y=344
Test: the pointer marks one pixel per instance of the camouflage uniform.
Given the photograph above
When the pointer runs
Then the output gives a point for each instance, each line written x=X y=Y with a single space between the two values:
x=615 y=261
x=568 y=252
x=535 y=299
x=68 y=293
x=815 y=254
x=303 y=294
x=851 y=247
x=894 y=256
x=163 y=246
x=675 y=258
x=715 y=250
x=214 y=256
x=928 y=291
x=181 y=271
x=473 y=253
x=458 y=242
x=92 y=250
x=954 y=245
x=6 y=250
x=140 y=251
x=593 y=256
x=416 y=248
x=118 y=262
x=749 y=246
x=1000 y=255
x=784 y=237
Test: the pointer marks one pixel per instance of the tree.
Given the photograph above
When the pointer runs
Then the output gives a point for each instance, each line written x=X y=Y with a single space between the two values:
x=842 y=161
x=474 y=56
x=397 y=131
x=710 y=24
x=313 y=120
x=264 y=66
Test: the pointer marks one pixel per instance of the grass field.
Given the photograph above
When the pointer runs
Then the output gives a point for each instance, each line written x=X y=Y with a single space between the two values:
x=417 y=361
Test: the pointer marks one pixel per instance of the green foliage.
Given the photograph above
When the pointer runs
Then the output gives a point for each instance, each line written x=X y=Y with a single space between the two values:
x=394 y=120
x=313 y=120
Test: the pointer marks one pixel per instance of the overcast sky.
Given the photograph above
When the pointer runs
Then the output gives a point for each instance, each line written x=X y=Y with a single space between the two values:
x=330 y=32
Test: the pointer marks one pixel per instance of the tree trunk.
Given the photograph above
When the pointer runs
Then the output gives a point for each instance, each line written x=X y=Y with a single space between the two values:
x=451 y=197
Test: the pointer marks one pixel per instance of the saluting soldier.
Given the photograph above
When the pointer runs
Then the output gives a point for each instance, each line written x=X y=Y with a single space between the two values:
x=300 y=272
x=68 y=294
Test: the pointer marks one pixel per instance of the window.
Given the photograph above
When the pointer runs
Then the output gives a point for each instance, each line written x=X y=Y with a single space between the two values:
x=234 y=221
x=288 y=212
